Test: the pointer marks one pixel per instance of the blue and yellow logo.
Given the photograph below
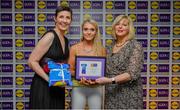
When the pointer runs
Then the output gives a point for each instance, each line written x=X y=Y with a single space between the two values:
x=154 y=30
x=19 y=4
x=109 y=17
x=19 y=105
x=41 y=30
x=152 y=105
x=19 y=43
x=41 y=4
x=153 y=80
x=19 y=68
x=19 y=55
x=19 y=17
x=154 y=55
x=19 y=30
x=176 y=30
x=154 y=5
x=153 y=92
x=87 y=4
x=176 y=4
x=154 y=43
x=153 y=68
x=19 y=81
x=176 y=17
x=109 y=5
x=132 y=5
x=154 y=17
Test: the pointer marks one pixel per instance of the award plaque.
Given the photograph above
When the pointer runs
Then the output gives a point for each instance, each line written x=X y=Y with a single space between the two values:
x=90 y=67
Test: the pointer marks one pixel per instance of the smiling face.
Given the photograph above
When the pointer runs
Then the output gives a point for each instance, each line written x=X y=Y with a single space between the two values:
x=89 y=31
x=63 y=20
x=122 y=28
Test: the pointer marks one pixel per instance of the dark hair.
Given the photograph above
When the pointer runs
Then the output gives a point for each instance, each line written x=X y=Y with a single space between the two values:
x=63 y=8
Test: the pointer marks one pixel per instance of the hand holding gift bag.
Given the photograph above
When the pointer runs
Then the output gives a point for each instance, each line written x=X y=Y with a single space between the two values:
x=59 y=74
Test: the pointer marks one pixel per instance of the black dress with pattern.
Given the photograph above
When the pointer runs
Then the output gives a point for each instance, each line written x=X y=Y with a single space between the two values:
x=129 y=95
x=41 y=95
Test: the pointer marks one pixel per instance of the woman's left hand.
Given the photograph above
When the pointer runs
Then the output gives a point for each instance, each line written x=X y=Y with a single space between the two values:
x=103 y=80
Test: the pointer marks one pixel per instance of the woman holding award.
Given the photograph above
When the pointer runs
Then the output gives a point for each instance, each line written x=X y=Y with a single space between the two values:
x=53 y=45
x=90 y=45
x=123 y=89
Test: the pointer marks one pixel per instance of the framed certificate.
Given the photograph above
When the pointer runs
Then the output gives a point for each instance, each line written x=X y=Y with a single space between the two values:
x=90 y=67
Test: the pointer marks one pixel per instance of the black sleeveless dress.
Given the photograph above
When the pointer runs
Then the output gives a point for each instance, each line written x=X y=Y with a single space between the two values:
x=41 y=95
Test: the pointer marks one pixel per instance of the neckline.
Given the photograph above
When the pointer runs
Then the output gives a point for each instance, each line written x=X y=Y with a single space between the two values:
x=63 y=51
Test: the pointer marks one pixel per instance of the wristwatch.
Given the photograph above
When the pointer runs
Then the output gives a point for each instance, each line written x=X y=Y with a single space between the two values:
x=113 y=80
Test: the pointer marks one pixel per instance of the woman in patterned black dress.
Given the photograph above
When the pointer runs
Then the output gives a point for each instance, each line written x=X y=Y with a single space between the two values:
x=123 y=88
x=53 y=45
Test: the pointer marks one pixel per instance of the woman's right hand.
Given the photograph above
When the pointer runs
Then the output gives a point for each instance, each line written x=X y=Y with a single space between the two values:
x=103 y=80
x=87 y=82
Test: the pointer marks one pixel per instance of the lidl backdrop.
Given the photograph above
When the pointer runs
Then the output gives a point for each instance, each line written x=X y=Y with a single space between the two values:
x=157 y=25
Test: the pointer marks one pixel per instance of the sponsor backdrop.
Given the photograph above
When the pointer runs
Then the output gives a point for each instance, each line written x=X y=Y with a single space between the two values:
x=157 y=23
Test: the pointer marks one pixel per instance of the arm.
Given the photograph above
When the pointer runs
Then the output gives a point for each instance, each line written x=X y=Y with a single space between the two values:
x=71 y=60
x=38 y=52
x=104 y=52
x=133 y=69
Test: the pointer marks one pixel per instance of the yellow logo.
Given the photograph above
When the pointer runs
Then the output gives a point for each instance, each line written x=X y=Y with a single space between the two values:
x=153 y=68
x=177 y=4
x=133 y=17
x=109 y=30
x=154 y=30
x=41 y=4
x=109 y=17
x=64 y=3
x=175 y=55
x=19 y=68
x=175 y=67
x=153 y=92
x=154 y=5
x=175 y=80
x=176 y=30
x=19 y=93
x=108 y=42
x=19 y=105
x=41 y=30
x=19 y=81
x=176 y=18
x=19 y=42
x=86 y=16
x=174 y=105
x=175 y=92
x=153 y=55
x=19 y=17
x=154 y=43
x=87 y=4
x=132 y=5
x=19 y=4
x=153 y=80
x=109 y=5
x=176 y=43
x=41 y=17
x=153 y=105
x=19 y=30
x=154 y=17
x=19 y=55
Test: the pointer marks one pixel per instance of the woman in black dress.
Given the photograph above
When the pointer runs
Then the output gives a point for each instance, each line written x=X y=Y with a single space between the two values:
x=53 y=45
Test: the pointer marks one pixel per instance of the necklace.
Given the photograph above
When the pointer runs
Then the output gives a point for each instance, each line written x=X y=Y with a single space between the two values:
x=87 y=51
x=121 y=44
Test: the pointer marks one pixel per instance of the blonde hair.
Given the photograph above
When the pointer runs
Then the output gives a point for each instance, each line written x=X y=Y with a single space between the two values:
x=97 y=45
x=131 y=34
